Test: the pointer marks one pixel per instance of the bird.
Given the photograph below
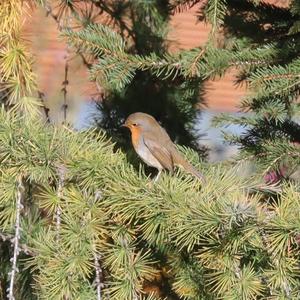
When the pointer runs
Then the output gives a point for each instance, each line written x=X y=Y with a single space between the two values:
x=154 y=146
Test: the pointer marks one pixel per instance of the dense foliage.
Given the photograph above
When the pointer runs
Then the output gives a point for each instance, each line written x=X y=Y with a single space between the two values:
x=88 y=221
x=77 y=221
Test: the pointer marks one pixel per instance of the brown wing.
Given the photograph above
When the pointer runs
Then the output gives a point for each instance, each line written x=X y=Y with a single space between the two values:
x=159 y=152
x=179 y=160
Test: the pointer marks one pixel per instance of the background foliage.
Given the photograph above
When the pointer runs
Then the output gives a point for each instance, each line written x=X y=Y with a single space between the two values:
x=77 y=221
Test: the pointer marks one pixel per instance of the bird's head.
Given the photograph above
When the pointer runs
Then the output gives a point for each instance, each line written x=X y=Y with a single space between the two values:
x=140 y=121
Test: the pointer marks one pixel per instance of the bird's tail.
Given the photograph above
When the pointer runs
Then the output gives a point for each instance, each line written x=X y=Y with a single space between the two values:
x=179 y=160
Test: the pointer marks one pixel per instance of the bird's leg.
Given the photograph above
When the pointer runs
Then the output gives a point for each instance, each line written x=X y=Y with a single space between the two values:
x=157 y=176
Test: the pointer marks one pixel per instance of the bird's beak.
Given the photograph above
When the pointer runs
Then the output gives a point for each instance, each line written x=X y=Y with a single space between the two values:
x=125 y=125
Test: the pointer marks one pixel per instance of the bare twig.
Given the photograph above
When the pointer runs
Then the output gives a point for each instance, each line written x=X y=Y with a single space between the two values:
x=19 y=206
x=61 y=180
x=280 y=76
x=250 y=63
x=22 y=247
x=178 y=6
x=98 y=268
x=41 y=95
x=50 y=13
x=65 y=82
x=195 y=62
x=64 y=90
x=85 y=61
x=122 y=24
x=98 y=273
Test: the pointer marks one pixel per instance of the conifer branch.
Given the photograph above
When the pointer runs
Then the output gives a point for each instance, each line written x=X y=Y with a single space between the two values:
x=16 y=239
x=215 y=12
x=18 y=81
x=212 y=228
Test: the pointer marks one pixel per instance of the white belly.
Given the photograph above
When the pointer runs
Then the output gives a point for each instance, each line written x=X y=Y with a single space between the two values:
x=147 y=156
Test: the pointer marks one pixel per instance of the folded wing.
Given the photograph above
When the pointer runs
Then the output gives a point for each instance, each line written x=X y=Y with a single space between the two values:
x=160 y=153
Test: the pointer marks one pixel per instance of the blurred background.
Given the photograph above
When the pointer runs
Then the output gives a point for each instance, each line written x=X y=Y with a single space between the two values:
x=77 y=98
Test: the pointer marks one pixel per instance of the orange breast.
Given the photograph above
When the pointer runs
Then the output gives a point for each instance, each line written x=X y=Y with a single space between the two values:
x=135 y=135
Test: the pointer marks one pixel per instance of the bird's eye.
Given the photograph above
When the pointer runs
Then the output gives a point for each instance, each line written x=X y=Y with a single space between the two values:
x=134 y=124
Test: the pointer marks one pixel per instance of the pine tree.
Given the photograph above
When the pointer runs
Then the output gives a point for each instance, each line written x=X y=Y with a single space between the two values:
x=77 y=221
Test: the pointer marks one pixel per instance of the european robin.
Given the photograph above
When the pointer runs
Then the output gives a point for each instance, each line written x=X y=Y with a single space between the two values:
x=152 y=143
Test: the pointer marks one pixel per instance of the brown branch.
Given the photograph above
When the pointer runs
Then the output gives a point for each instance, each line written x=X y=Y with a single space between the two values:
x=49 y=11
x=65 y=83
x=61 y=171
x=178 y=6
x=98 y=271
x=41 y=96
x=22 y=247
x=194 y=64
x=84 y=60
x=281 y=76
x=123 y=26
x=250 y=63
